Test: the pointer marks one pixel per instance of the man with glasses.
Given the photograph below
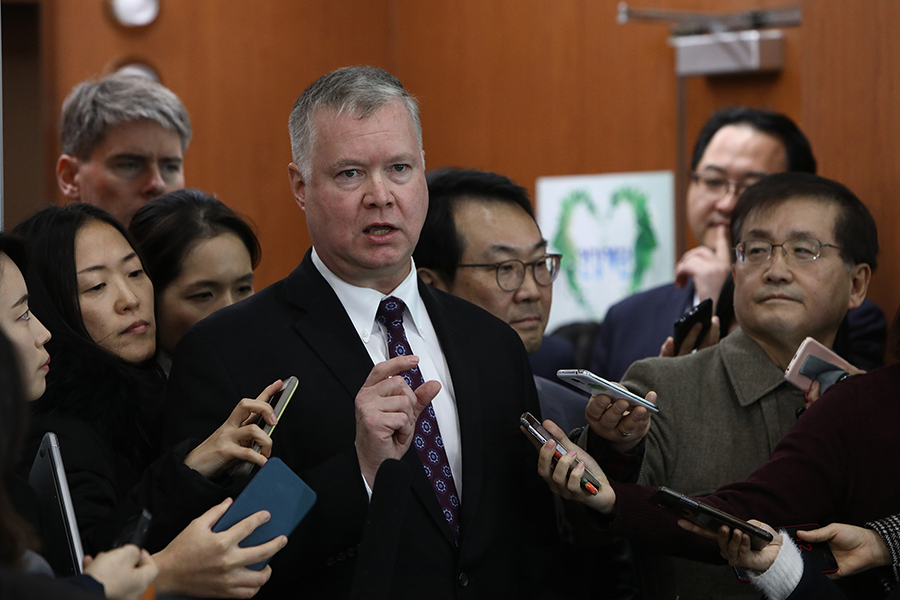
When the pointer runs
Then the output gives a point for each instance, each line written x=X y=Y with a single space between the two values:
x=481 y=242
x=805 y=250
x=736 y=148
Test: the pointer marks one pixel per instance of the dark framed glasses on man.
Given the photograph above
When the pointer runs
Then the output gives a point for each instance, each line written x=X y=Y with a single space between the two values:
x=511 y=273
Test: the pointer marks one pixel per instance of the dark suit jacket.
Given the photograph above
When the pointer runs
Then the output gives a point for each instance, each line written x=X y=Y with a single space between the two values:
x=562 y=405
x=298 y=327
x=636 y=327
x=554 y=354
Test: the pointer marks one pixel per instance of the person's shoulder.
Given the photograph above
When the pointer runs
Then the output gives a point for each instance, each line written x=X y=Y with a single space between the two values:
x=876 y=386
x=658 y=297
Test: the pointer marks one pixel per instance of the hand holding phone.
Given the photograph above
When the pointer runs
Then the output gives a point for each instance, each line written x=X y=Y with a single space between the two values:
x=589 y=481
x=278 y=402
x=708 y=517
x=594 y=384
x=702 y=313
x=815 y=361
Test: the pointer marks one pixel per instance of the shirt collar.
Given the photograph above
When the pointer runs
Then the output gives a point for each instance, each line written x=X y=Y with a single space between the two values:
x=361 y=303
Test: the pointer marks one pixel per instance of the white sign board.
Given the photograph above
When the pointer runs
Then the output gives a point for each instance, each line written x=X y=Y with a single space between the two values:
x=616 y=234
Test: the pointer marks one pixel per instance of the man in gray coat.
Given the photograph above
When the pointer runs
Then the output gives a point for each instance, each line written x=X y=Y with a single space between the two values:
x=805 y=248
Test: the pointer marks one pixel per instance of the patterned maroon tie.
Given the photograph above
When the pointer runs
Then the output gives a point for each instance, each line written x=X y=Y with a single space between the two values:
x=427 y=440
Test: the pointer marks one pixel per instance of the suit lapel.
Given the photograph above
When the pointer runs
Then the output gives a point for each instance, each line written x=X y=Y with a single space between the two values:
x=456 y=344
x=326 y=327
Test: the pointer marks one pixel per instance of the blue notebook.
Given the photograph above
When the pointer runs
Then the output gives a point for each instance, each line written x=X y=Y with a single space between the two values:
x=274 y=488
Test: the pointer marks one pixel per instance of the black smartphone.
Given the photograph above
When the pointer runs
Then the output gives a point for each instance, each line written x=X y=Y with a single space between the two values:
x=135 y=531
x=702 y=313
x=706 y=516
x=278 y=402
x=818 y=554
x=589 y=482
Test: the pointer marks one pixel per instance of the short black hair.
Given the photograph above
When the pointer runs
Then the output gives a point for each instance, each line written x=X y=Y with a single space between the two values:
x=797 y=148
x=854 y=228
x=167 y=228
x=440 y=246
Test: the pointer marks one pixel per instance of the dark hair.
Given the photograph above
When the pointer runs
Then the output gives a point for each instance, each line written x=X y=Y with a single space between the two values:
x=15 y=535
x=86 y=381
x=15 y=248
x=854 y=228
x=440 y=246
x=168 y=227
x=797 y=149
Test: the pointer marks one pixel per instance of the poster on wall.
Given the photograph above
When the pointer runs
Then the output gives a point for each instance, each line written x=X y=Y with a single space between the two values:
x=616 y=233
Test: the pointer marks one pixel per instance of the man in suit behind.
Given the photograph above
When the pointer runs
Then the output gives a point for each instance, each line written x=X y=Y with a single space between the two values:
x=736 y=148
x=481 y=242
x=476 y=521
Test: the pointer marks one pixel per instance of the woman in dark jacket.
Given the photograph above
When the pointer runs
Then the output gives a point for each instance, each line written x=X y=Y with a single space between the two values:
x=88 y=286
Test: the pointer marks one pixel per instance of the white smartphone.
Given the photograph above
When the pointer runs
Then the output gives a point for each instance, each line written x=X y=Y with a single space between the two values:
x=811 y=347
x=278 y=402
x=594 y=384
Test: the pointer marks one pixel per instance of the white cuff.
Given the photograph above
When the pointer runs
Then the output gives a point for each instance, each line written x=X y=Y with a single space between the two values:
x=783 y=576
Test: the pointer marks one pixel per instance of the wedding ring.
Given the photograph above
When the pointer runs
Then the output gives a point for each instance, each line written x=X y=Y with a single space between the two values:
x=622 y=433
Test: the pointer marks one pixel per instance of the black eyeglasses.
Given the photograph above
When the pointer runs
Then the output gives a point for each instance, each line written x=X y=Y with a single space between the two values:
x=800 y=250
x=717 y=186
x=511 y=273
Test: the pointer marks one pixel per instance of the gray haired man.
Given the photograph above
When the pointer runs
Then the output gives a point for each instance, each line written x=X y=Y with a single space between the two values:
x=123 y=142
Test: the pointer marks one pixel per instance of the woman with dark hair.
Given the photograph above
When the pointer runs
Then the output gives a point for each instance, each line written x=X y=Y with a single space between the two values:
x=88 y=285
x=200 y=255
x=123 y=573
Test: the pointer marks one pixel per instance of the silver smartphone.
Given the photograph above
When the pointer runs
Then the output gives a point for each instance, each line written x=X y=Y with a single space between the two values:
x=594 y=384
x=48 y=478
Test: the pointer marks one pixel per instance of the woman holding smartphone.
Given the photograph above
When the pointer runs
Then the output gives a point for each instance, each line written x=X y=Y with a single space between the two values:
x=200 y=255
x=88 y=286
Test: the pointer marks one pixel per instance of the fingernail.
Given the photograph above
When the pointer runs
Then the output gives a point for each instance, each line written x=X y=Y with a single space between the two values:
x=284 y=541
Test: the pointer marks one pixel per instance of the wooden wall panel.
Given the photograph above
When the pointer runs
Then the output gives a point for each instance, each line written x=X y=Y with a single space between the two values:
x=537 y=88
x=238 y=66
x=851 y=108
x=527 y=88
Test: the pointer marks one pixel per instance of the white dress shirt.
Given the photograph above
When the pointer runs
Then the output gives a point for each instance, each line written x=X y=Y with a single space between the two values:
x=361 y=304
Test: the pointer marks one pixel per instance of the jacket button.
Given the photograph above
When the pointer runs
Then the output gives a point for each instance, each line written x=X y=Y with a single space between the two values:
x=463 y=580
x=330 y=562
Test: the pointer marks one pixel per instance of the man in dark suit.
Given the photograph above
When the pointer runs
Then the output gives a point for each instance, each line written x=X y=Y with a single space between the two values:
x=481 y=242
x=736 y=147
x=476 y=521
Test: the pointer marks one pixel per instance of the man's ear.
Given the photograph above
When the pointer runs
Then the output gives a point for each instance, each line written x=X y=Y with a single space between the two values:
x=67 y=176
x=298 y=185
x=860 y=275
x=432 y=278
